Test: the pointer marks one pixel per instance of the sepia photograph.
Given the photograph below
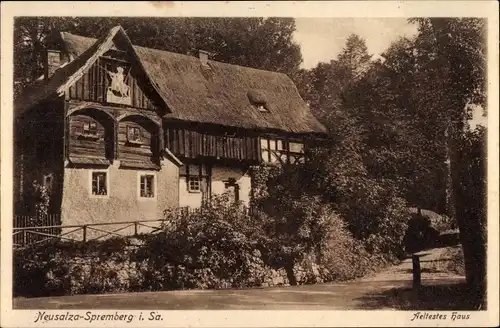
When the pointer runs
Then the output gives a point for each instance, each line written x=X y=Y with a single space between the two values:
x=264 y=162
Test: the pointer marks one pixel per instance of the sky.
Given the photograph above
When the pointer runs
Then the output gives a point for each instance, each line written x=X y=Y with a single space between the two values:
x=322 y=39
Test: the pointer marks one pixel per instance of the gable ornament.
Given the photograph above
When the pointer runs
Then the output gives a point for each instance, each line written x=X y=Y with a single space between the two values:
x=118 y=90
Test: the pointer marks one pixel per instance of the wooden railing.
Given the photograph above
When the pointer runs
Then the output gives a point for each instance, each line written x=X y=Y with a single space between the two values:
x=24 y=236
x=33 y=230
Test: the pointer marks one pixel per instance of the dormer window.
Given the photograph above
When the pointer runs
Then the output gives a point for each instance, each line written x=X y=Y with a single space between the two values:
x=258 y=99
x=134 y=135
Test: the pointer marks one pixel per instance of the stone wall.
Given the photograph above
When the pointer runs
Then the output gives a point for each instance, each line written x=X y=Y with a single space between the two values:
x=111 y=268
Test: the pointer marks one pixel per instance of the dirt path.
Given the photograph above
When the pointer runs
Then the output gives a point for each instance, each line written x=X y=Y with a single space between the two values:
x=433 y=264
x=372 y=292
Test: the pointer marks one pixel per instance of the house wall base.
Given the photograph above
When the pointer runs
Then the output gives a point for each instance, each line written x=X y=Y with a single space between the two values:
x=219 y=175
x=122 y=203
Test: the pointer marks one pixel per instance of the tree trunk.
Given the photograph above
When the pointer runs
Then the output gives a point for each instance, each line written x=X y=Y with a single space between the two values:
x=449 y=203
x=471 y=237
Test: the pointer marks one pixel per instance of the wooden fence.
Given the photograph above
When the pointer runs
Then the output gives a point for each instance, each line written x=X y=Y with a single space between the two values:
x=30 y=230
x=25 y=236
x=46 y=224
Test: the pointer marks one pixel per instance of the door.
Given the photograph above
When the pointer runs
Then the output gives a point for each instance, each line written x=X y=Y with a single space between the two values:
x=232 y=189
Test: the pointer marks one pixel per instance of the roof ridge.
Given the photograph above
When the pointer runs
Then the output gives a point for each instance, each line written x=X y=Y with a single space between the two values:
x=187 y=56
x=193 y=94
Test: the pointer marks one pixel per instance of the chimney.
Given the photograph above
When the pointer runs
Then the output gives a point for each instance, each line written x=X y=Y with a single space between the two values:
x=204 y=57
x=53 y=61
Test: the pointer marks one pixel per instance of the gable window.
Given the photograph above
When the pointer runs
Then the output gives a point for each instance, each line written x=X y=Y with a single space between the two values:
x=99 y=185
x=194 y=184
x=134 y=134
x=147 y=186
x=90 y=128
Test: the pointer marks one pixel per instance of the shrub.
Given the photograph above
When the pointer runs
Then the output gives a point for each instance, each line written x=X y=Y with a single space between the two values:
x=70 y=267
x=372 y=209
x=210 y=247
x=343 y=256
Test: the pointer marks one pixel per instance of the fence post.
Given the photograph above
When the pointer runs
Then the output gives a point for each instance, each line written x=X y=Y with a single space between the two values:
x=135 y=228
x=84 y=233
x=416 y=272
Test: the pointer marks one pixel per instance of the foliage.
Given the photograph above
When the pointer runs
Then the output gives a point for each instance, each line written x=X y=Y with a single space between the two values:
x=214 y=246
x=323 y=86
x=399 y=144
x=408 y=118
x=420 y=234
x=300 y=201
x=54 y=269
x=264 y=43
x=456 y=52
x=342 y=256
x=41 y=201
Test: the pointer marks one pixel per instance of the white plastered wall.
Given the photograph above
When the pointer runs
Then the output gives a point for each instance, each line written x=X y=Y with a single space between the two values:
x=220 y=175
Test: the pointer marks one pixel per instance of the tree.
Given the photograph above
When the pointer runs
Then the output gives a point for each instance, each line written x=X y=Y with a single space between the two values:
x=401 y=143
x=324 y=86
x=264 y=43
x=458 y=51
x=354 y=57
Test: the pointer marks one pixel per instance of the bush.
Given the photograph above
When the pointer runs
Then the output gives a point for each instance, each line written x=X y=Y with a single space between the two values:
x=298 y=223
x=214 y=246
x=372 y=209
x=70 y=267
x=342 y=256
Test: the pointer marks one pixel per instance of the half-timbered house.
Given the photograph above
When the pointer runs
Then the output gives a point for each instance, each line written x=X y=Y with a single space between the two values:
x=120 y=132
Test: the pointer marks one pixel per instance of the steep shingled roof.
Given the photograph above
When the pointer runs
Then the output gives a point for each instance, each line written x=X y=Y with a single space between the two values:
x=218 y=95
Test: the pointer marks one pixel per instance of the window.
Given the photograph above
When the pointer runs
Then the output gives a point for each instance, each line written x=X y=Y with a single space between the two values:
x=90 y=128
x=296 y=152
x=271 y=149
x=296 y=147
x=47 y=182
x=194 y=184
x=276 y=150
x=99 y=183
x=232 y=189
x=133 y=134
x=146 y=188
